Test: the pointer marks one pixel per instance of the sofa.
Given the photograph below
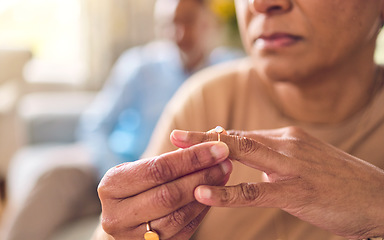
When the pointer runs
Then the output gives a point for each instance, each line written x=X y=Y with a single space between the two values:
x=12 y=62
x=49 y=121
x=32 y=124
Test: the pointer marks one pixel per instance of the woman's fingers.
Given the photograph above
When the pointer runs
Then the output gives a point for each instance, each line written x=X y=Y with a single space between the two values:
x=161 y=190
x=316 y=187
x=167 y=198
x=271 y=138
x=248 y=151
x=187 y=219
x=189 y=229
x=182 y=222
x=184 y=139
x=148 y=173
x=248 y=194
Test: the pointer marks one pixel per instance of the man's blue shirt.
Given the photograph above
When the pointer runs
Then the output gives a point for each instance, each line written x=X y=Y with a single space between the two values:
x=118 y=125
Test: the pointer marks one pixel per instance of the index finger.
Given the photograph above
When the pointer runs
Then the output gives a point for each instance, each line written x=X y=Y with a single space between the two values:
x=246 y=150
x=129 y=179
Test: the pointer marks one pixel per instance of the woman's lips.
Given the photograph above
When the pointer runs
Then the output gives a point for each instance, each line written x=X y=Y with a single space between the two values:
x=275 y=41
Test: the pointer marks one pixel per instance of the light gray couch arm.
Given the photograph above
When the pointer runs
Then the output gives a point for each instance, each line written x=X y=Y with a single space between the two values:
x=52 y=117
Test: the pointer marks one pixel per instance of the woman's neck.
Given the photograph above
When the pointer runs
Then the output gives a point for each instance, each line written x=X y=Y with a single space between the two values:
x=327 y=98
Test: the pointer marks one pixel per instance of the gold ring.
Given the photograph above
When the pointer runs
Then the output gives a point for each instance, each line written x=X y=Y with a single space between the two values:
x=219 y=130
x=151 y=234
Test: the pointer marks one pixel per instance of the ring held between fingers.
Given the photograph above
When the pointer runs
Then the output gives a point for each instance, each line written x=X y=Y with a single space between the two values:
x=148 y=173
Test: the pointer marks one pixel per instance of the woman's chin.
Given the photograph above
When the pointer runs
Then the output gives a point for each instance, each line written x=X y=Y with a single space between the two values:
x=279 y=72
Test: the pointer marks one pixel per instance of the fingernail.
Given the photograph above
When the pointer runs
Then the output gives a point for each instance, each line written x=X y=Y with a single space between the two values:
x=180 y=135
x=220 y=150
x=203 y=193
x=226 y=166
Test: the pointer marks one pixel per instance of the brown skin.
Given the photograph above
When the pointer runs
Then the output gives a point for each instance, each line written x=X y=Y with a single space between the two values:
x=326 y=73
x=335 y=48
x=305 y=177
x=161 y=191
x=191 y=26
x=150 y=194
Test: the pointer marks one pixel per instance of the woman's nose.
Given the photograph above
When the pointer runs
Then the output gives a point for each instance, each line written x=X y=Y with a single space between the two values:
x=269 y=6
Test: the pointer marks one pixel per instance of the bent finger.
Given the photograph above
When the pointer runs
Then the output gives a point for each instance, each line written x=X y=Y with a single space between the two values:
x=167 y=198
x=167 y=227
x=246 y=195
x=148 y=173
x=276 y=132
x=271 y=138
x=191 y=228
x=246 y=150
x=181 y=222
x=184 y=139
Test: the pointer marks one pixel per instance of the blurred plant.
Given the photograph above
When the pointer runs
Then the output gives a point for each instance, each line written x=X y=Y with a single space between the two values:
x=225 y=10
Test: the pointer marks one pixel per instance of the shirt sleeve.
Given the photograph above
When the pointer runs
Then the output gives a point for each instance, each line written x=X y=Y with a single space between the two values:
x=202 y=103
x=99 y=120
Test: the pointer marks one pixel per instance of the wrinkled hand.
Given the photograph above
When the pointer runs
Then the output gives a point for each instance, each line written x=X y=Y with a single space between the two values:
x=307 y=178
x=161 y=190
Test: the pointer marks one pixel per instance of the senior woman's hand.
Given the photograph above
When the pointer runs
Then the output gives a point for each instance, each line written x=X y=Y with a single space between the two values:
x=161 y=190
x=307 y=178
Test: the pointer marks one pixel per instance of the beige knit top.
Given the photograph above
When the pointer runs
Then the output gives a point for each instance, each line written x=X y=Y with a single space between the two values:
x=230 y=95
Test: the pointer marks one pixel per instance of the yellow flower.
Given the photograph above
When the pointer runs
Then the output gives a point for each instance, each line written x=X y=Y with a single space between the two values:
x=224 y=9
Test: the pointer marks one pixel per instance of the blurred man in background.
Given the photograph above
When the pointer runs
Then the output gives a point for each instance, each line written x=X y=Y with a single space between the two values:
x=118 y=125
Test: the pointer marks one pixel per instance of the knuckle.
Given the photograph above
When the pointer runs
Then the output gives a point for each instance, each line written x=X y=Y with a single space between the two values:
x=242 y=193
x=294 y=131
x=290 y=145
x=105 y=188
x=226 y=197
x=111 y=181
x=189 y=155
x=159 y=171
x=168 y=197
x=296 y=138
x=208 y=177
x=192 y=226
x=210 y=136
x=238 y=133
x=102 y=191
x=177 y=218
x=249 y=192
x=212 y=176
x=247 y=145
x=109 y=225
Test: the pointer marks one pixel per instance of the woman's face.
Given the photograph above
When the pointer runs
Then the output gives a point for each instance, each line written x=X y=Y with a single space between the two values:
x=291 y=39
x=188 y=23
x=190 y=26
